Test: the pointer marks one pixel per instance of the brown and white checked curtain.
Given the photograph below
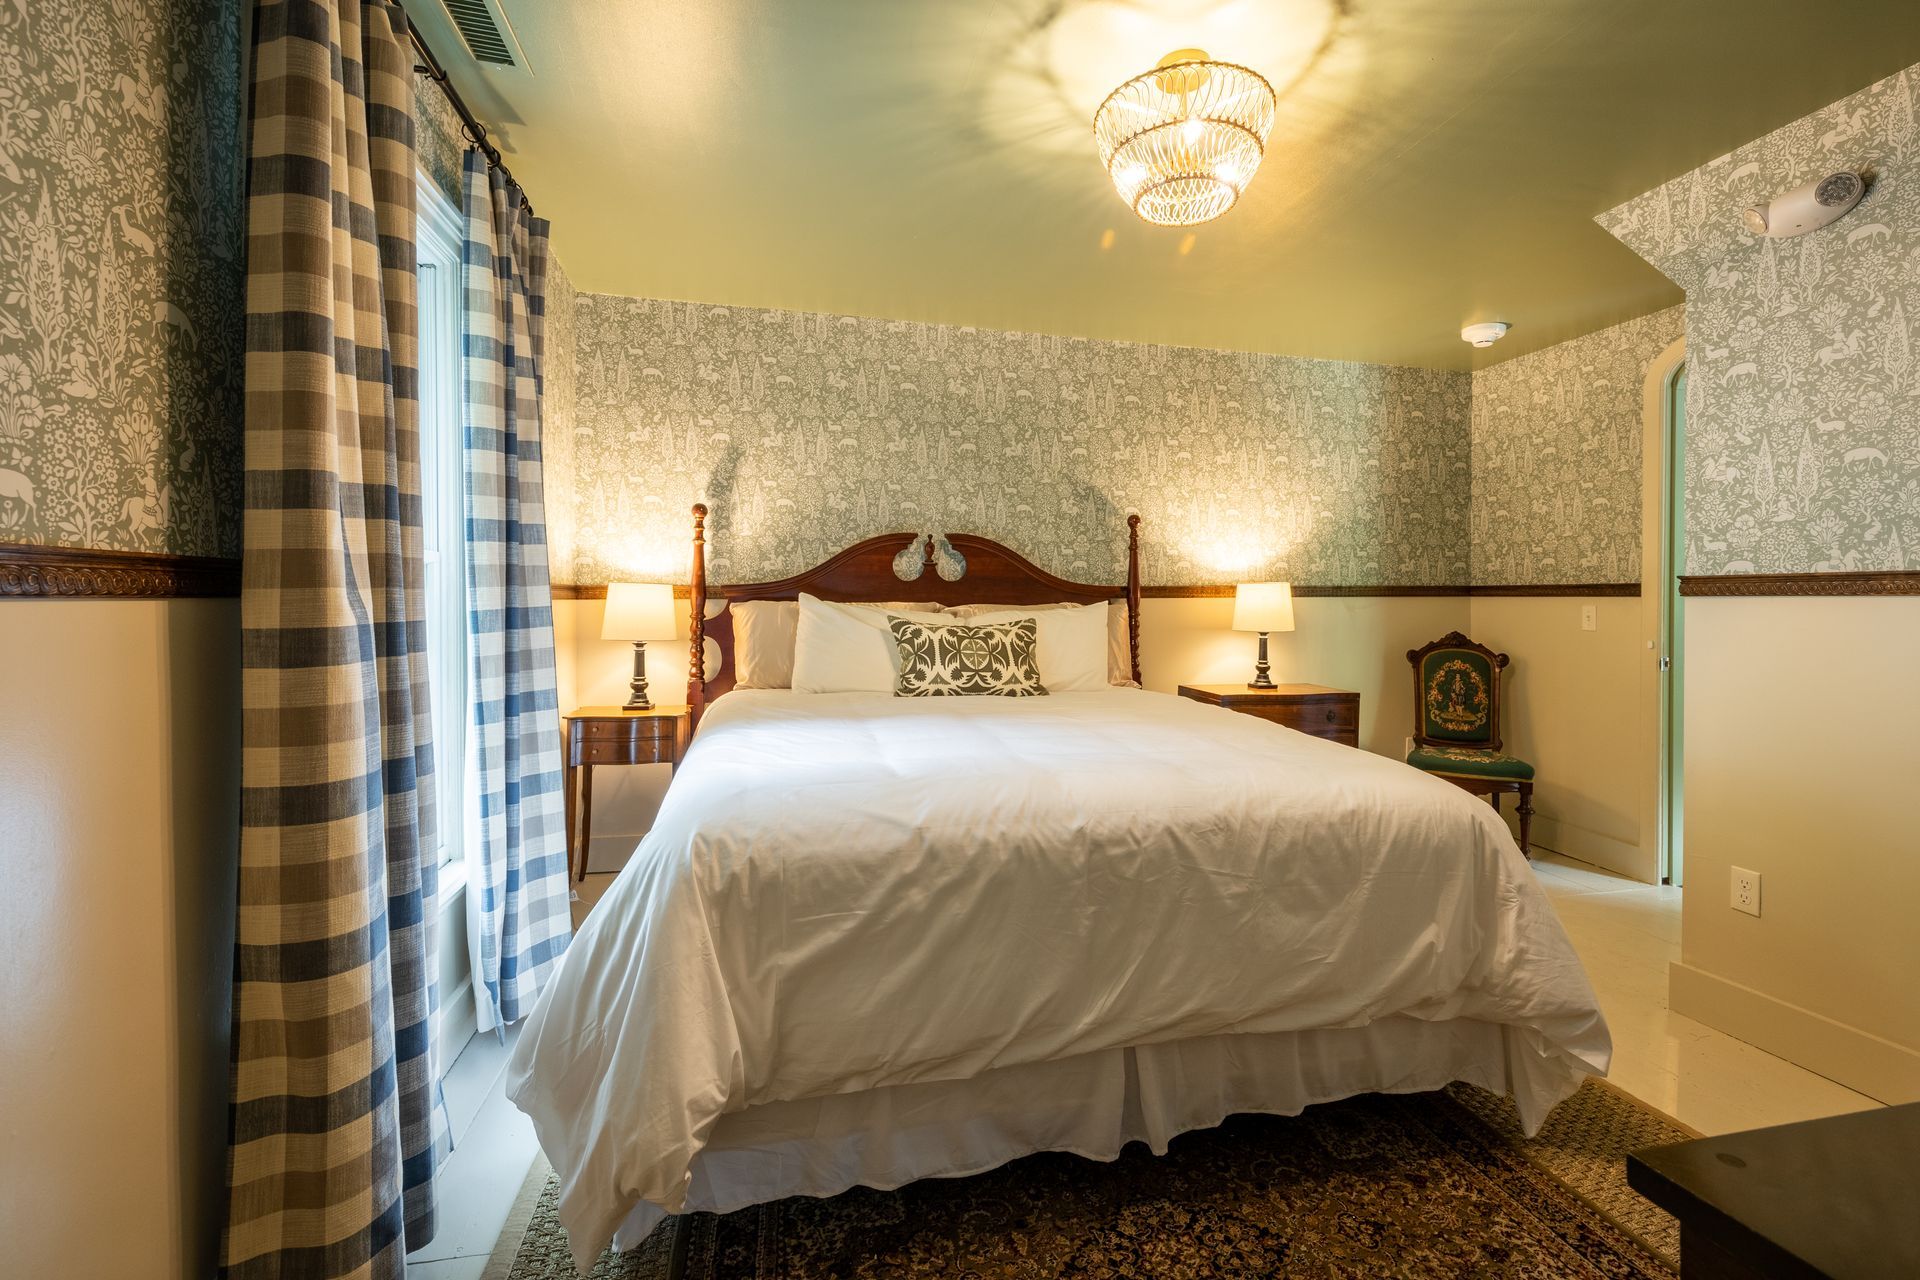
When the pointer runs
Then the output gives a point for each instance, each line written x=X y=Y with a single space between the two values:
x=333 y=1117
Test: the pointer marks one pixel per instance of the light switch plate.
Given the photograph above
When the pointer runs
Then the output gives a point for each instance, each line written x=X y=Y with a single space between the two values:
x=1589 y=618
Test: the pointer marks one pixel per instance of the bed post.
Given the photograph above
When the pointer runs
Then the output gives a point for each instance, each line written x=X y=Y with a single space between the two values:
x=697 y=619
x=1133 y=593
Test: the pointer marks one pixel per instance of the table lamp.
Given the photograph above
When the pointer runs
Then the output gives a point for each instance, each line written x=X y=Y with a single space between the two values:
x=639 y=611
x=1262 y=607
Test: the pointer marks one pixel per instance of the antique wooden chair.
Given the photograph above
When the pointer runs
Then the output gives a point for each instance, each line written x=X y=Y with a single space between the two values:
x=1456 y=729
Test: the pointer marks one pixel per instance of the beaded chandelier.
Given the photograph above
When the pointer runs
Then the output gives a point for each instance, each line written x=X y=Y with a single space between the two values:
x=1183 y=140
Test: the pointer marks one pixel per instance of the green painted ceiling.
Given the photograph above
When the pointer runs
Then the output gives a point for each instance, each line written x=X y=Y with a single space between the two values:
x=1435 y=162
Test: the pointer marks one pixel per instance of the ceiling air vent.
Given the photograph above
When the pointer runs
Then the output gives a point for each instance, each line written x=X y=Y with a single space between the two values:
x=488 y=37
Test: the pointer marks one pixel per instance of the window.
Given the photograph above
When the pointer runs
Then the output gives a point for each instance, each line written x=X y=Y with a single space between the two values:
x=444 y=506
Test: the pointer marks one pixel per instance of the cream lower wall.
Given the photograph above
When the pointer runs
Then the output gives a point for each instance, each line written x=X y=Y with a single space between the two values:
x=566 y=664
x=119 y=785
x=1801 y=765
x=1357 y=643
x=1578 y=706
x=1353 y=642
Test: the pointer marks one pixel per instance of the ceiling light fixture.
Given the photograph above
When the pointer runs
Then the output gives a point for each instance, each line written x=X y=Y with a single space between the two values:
x=1183 y=140
x=1484 y=335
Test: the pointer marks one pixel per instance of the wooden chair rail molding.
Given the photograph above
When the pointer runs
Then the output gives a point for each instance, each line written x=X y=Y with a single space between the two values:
x=1893 y=582
x=33 y=572
x=1212 y=590
x=37 y=572
x=1903 y=582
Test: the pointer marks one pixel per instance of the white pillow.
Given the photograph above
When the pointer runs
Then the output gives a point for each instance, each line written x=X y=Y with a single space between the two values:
x=1119 y=640
x=1072 y=644
x=847 y=648
x=763 y=640
x=766 y=631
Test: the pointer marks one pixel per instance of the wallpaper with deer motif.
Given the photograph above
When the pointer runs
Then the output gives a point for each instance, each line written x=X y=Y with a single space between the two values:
x=559 y=382
x=808 y=432
x=121 y=280
x=1803 y=387
x=1556 y=457
x=122 y=283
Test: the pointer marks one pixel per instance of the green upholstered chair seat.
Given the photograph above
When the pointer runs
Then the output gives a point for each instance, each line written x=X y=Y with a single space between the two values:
x=1470 y=763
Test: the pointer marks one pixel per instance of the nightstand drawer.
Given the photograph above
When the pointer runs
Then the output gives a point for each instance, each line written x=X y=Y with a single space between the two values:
x=1333 y=714
x=1336 y=723
x=627 y=750
x=1314 y=717
x=629 y=729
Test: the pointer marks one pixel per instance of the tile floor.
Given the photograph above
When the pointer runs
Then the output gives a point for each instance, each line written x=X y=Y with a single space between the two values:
x=1626 y=933
x=493 y=1147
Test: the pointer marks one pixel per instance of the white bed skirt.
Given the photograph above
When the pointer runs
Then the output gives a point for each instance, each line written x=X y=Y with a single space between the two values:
x=1093 y=1105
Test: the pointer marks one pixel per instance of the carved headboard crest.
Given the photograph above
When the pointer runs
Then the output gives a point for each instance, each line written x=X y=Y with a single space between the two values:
x=967 y=569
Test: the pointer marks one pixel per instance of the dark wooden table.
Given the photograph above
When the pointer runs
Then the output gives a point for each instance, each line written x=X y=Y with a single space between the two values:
x=612 y=735
x=1333 y=714
x=1836 y=1198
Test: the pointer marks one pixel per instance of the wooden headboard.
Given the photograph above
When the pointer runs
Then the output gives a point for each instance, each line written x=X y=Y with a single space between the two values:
x=995 y=574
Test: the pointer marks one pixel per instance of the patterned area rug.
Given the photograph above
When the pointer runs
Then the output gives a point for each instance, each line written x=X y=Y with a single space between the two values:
x=1422 y=1185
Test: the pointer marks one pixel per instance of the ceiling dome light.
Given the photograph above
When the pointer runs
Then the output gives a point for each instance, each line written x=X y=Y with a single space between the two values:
x=1484 y=335
x=1183 y=140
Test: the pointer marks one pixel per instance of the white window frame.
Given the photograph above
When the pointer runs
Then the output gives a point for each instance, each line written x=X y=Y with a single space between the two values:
x=439 y=242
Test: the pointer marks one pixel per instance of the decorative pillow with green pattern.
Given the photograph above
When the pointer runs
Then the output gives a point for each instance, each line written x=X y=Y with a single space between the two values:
x=997 y=660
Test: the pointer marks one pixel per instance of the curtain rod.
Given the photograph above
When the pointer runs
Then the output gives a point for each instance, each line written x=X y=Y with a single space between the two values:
x=431 y=67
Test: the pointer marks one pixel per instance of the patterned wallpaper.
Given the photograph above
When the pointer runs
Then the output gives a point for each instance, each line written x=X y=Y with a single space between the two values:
x=1556 y=457
x=1803 y=392
x=121 y=351
x=557 y=454
x=439 y=142
x=120 y=334
x=807 y=432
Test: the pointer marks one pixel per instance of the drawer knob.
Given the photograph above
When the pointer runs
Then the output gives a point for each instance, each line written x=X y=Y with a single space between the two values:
x=1329 y=716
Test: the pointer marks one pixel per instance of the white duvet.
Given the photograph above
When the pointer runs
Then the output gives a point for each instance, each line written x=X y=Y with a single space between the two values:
x=847 y=891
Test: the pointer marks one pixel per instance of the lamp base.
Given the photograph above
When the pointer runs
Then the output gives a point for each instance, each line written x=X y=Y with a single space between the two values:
x=1261 y=680
x=637 y=700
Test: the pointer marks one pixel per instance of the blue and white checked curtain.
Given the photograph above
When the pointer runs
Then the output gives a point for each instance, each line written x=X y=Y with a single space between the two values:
x=518 y=916
x=334 y=1106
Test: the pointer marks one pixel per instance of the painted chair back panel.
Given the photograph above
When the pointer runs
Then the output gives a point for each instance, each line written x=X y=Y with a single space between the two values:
x=1456 y=693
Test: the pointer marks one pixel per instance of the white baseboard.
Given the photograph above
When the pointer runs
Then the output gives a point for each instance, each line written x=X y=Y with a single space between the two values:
x=457 y=1025
x=1578 y=842
x=456 y=1021
x=1858 y=1059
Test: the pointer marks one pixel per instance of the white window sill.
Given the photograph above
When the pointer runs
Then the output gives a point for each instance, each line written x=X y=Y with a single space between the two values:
x=453 y=880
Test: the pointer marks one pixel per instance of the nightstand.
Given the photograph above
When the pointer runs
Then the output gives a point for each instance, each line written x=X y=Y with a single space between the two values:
x=613 y=735
x=1333 y=714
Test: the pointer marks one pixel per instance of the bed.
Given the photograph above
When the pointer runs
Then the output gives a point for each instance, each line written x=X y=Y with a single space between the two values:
x=872 y=939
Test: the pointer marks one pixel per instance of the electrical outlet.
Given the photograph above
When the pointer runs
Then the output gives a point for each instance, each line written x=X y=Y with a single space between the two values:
x=1745 y=891
x=1589 y=618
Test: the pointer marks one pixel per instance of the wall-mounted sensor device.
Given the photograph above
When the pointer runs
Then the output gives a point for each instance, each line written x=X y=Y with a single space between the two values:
x=1807 y=208
x=1484 y=335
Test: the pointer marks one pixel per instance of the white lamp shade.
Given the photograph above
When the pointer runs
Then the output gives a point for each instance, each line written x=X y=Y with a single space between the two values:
x=1263 y=606
x=639 y=611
